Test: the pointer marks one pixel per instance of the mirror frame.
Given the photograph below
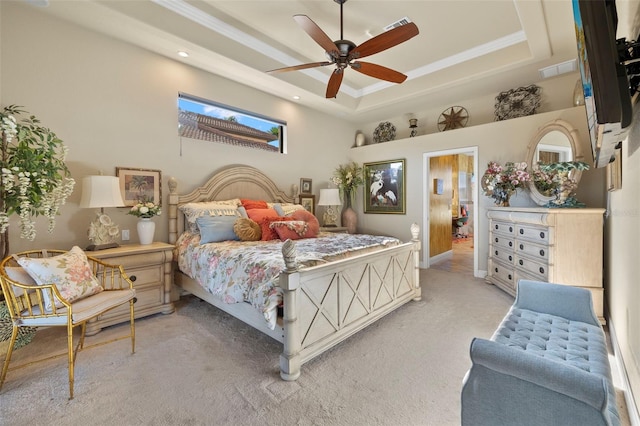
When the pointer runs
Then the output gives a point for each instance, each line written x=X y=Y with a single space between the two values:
x=572 y=136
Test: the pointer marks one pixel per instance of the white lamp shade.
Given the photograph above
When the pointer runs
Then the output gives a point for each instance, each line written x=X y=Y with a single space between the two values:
x=101 y=191
x=329 y=197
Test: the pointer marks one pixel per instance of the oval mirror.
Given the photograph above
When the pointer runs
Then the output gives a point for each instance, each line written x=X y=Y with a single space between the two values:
x=555 y=142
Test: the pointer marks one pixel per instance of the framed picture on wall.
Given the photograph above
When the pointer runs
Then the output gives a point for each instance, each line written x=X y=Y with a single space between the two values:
x=308 y=201
x=305 y=186
x=140 y=185
x=384 y=188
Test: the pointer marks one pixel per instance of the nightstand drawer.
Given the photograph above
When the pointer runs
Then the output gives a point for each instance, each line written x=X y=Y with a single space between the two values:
x=142 y=276
x=146 y=298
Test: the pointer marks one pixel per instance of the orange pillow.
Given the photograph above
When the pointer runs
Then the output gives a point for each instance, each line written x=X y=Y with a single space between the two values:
x=290 y=229
x=265 y=225
x=253 y=204
x=258 y=214
x=313 y=226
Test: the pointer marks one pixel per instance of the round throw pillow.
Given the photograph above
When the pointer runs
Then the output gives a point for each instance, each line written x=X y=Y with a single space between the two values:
x=313 y=226
x=247 y=230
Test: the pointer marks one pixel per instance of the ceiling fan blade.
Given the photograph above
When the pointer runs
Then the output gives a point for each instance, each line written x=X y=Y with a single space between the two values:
x=385 y=40
x=378 y=71
x=302 y=66
x=334 y=83
x=316 y=33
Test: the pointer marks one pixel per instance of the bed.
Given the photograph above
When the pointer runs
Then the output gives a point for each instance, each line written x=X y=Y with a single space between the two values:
x=322 y=304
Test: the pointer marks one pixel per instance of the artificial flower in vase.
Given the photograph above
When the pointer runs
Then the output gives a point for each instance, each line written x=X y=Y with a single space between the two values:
x=561 y=182
x=348 y=177
x=145 y=210
x=500 y=183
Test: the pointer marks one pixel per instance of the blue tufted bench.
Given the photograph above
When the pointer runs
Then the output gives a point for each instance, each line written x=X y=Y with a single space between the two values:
x=546 y=364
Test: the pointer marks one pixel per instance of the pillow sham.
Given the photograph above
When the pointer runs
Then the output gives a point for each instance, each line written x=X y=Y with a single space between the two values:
x=253 y=204
x=192 y=211
x=313 y=226
x=290 y=229
x=70 y=272
x=258 y=214
x=214 y=229
x=247 y=229
x=288 y=208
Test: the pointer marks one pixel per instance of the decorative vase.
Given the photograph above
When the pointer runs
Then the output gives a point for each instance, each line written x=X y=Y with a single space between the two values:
x=349 y=215
x=503 y=198
x=146 y=229
x=360 y=139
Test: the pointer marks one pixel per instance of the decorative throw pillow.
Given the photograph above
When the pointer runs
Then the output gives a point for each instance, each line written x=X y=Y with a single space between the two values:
x=258 y=214
x=214 y=229
x=268 y=233
x=247 y=230
x=193 y=211
x=290 y=229
x=285 y=209
x=253 y=204
x=70 y=272
x=313 y=226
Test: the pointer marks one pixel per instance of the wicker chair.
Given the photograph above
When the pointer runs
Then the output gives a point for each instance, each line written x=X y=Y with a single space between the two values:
x=32 y=305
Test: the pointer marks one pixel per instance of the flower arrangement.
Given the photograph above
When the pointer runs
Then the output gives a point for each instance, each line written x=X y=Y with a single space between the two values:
x=145 y=209
x=348 y=177
x=554 y=179
x=500 y=182
x=34 y=177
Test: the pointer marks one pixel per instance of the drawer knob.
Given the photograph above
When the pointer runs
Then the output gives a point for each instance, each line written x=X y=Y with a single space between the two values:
x=497 y=227
x=496 y=239
x=510 y=243
x=511 y=229
x=496 y=270
x=541 y=252
x=541 y=270
x=496 y=252
x=542 y=235
x=133 y=278
x=510 y=257
x=522 y=232
x=521 y=262
x=510 y=277
x=521 y=246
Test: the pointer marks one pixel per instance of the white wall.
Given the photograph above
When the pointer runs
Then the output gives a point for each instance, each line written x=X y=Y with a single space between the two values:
x=114 y=104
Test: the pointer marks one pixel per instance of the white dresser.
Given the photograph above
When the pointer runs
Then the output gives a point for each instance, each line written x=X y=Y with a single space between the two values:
x=561 y=246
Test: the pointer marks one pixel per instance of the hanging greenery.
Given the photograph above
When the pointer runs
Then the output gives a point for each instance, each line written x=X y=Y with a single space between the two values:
x=35 y=179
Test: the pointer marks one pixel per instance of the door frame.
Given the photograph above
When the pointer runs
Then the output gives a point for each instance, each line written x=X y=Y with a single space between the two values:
x=470 y=150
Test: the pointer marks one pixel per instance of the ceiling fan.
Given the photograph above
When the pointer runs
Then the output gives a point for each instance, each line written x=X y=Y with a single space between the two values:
x=344 y=53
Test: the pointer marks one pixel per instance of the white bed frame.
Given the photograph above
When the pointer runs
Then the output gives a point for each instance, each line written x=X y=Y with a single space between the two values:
x=323 y=305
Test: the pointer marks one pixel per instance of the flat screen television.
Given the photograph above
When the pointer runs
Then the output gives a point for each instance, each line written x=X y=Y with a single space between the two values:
x=607 y=91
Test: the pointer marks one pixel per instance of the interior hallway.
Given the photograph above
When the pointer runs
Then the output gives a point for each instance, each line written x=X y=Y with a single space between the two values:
x=462 y=259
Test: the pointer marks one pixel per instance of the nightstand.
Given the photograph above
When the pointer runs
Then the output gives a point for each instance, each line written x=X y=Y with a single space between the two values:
x=149 y=267
x=338 y=229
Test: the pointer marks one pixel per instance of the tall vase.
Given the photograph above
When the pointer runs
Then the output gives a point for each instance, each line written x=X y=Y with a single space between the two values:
x=146 y=229
x=349 y=216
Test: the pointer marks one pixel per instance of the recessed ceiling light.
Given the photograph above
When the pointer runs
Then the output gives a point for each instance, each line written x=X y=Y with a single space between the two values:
x=183 y=54
x=296 y=97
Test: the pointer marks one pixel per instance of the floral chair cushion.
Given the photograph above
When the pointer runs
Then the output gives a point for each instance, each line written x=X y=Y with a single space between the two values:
x=70 y=272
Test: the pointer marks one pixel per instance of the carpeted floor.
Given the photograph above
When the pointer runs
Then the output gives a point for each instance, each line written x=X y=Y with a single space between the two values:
x=200 y=366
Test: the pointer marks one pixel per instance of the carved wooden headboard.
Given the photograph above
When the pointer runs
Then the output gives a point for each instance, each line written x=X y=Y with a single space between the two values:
x=232 y=182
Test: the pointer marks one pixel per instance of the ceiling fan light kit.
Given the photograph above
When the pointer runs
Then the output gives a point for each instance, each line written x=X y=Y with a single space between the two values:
x=344 y=53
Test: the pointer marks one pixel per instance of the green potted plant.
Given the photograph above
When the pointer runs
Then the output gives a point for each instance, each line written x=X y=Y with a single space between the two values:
x=35 y=179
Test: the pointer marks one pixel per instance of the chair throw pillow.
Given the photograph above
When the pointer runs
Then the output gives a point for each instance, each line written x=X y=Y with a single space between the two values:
x=70 y=272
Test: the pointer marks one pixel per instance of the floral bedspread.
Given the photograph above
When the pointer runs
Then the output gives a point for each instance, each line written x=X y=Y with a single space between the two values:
x=246 y=271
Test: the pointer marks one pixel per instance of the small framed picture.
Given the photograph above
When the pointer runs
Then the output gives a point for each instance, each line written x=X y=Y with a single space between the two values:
x=438 y=186
x=140 y=184
x=308 y=201
x=384 y=187
x=305 y=186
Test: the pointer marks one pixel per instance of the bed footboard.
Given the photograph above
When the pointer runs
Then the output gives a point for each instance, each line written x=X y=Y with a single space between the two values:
x=326 y=304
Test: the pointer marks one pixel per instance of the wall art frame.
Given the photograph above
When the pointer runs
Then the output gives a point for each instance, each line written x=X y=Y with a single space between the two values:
x=384 y=187
x=306 y=186
x=308 y=201
x=140 y=184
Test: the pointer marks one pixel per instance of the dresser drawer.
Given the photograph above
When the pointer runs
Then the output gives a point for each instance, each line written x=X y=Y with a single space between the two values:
x=503 y=242
x=502 y=254
x=536 y=234
x=536 y=251
x=503 y=272
x=504 y=228
x=539 y=270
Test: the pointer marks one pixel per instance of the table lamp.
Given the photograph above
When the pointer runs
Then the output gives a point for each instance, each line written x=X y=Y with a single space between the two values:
x=330 y=198
x=100 y=192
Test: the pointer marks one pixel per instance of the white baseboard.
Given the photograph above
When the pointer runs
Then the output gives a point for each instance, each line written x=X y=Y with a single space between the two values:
x=442 y=256
x=634 y=418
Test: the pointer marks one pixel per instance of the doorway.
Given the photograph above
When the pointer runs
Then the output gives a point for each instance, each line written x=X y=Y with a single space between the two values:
x=450 y=193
